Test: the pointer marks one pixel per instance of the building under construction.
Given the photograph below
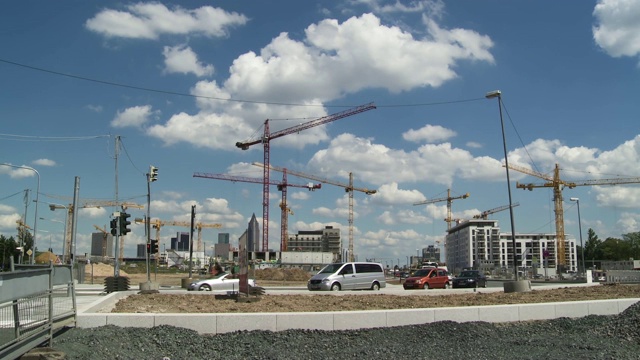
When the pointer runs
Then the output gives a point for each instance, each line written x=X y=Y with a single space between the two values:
x=325 y=240
x=479 y=244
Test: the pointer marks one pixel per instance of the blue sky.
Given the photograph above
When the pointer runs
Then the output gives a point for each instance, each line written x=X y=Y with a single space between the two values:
x=160 y=76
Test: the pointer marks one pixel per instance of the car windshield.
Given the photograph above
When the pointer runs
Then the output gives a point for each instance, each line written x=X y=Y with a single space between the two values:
x=422 y=272
x=468 y=274
x=330 y=269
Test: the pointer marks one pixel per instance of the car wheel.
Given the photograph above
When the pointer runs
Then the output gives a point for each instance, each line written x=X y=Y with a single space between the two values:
x=484 y=284
x=426 y=286
x=375 y=286
x=335 y=287
x=205 y=287
x=447 y=285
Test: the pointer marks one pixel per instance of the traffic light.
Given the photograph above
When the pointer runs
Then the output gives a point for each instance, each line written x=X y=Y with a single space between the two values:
x=114 y=227
x=124 y=223
x=148 y=248
x=154 y=247
x=153 y=173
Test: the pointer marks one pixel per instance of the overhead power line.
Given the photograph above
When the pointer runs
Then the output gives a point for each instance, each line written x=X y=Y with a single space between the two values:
x=176 y=93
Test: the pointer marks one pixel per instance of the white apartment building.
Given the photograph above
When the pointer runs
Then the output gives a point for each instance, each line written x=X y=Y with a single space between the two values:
x=479 y=244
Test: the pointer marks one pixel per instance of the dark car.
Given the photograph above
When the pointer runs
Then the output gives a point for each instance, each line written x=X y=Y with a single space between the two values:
x=470 y=279
x=428 y=278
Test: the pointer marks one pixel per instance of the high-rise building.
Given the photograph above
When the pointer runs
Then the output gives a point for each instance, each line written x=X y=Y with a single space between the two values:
x=98 y=245
x=223 y=238
x=180 y=242
x=253 y=235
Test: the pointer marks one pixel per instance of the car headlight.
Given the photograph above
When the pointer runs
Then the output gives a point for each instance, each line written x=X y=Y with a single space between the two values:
x=471 y=280
x=325 y=281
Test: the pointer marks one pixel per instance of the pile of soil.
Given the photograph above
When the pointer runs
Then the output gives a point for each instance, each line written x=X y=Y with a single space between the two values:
x=367 y=300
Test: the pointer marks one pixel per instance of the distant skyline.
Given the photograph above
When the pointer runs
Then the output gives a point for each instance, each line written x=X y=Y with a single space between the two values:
x=181 y=83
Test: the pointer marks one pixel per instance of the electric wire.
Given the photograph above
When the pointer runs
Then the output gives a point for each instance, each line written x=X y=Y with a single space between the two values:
x=176 y=93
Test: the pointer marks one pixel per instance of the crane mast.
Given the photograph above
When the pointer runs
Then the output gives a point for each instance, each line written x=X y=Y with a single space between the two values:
x=265 y=141
x=558 y=184
x=282 y=186
x=347 y=187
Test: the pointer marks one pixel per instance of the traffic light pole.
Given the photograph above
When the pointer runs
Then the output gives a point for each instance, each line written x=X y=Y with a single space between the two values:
x=148 y=225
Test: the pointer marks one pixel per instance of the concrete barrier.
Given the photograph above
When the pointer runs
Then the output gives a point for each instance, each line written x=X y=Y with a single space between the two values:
x=344 y=320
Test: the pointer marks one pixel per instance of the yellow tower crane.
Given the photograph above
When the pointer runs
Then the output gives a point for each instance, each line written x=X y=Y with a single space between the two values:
x=558 y=184
x=449 y=199
x=347 y=187
x=157 y=224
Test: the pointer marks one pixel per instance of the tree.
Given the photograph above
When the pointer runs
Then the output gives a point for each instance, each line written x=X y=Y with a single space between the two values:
x=633 y=239
x=7 y=249
x=593 y=247
x=615 y=249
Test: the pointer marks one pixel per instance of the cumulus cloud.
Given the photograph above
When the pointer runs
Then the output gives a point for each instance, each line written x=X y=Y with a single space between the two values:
x=429 y=133
x=379 y=164
x=617 y=29
x=390 y=194
x=150 y=20
x=44 y=162
x=181 y=59
x=136 y=116
x=341 y=57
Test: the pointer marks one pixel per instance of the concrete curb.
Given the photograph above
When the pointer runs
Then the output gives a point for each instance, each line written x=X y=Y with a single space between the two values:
x=345 y=320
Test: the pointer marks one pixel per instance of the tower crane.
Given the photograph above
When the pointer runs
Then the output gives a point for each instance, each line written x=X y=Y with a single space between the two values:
x=265 y=141
x=558 y=184
x=157 y=224
x=347 y=187
x=484 y=215
x=282 y=186
x=105 y=235
x=449 y=199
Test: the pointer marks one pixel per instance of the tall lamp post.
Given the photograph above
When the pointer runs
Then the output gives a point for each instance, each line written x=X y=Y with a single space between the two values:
x=54 y=207
x=577 y=200
x=491 y=95
x=35 y=220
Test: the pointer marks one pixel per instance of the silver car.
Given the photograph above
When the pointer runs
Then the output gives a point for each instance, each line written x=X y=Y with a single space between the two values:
x=222 y=282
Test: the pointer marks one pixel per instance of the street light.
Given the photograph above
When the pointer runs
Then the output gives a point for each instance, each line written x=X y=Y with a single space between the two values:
x=491 y=95
x=577 y=200
x=54 y=207
x=35 y=220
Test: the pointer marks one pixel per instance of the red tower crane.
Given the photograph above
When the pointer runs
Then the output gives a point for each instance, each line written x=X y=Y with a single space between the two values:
x=266 y=139
x=282 y=186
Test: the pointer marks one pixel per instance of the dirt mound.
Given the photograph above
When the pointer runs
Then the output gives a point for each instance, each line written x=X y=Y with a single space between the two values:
x=102 y=270
x=282 y=274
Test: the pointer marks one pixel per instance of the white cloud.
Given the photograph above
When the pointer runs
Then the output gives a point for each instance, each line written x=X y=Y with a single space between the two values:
x=181 y=59
x=390 y=194
x=44 y=162
x=617 y=29
x=16 y=172
x=150 y=20
x=136 y=116
x=342 y=58
x=8 y=221
x=300 y=195
x=429 y=133
x=94 y=108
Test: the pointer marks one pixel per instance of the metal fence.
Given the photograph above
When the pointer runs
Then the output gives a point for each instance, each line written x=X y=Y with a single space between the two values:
x=35 y=300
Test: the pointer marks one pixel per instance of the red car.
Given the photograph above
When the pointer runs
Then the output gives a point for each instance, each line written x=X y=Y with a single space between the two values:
x=428 y=278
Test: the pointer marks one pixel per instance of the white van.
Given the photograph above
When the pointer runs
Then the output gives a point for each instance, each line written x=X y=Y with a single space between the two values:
x=349 y=276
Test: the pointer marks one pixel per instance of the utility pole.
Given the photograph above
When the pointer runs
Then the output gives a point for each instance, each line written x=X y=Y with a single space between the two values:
x=193 y=218
x=116 y=263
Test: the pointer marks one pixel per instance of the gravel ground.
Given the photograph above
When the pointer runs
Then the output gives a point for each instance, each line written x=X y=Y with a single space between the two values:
x=591 y=337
